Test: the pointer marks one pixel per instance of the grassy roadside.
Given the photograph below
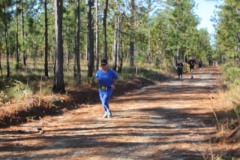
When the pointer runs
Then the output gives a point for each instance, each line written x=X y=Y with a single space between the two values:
x=226 y=107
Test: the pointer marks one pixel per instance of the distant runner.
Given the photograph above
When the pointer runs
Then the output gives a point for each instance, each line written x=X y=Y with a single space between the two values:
x=179 y=69
x=200 y=64
x=191 y=63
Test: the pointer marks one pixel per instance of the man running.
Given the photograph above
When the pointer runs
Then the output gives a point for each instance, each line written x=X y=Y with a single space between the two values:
x=191 y=63
x=200 y=64
x=179 y=70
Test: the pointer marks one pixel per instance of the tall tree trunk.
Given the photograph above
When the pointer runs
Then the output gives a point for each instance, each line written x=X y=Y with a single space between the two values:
x=68 y=47
x=1 y=58
x=23 y=37
x=58 y=85
x=132 y=34
x=46 y=39
x=105 y=29
x=149 y=47
x=120 y=52
x=17 y=46
x=97 y=37
x=7 y=51
x=90 y=40
x=6 y=39
x=116 y=39
x=77 y=69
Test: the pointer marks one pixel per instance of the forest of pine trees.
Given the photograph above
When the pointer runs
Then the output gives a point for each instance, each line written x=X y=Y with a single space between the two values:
x=73 y=35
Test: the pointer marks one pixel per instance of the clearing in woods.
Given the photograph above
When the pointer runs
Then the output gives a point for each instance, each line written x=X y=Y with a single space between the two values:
x=166 y=121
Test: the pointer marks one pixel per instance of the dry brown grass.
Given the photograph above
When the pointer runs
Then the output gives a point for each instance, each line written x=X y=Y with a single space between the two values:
x=227 y=121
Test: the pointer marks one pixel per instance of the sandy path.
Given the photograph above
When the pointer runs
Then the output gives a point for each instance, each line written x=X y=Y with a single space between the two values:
x=170 y=120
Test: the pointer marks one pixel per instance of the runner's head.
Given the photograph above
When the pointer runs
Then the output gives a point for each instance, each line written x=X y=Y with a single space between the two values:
x=104 y=64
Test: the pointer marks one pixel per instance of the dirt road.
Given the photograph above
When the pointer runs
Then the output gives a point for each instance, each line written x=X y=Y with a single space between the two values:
x=169 y=120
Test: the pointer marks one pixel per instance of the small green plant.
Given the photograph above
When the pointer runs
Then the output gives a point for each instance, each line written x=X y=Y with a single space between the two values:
x=18 y=90
x=232 y=74
x=232 y=79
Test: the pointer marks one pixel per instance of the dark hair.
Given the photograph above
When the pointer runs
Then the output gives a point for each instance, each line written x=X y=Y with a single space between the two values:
x=104 y=61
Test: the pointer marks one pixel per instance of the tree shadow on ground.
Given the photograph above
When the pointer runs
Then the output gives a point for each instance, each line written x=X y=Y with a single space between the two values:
x=76 y=98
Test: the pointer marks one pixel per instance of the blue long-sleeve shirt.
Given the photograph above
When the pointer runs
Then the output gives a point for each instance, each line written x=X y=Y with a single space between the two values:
x=106 y=78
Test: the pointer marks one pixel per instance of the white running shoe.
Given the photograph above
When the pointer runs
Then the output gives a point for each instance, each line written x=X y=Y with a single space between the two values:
x=105 y=114
x=109 y=114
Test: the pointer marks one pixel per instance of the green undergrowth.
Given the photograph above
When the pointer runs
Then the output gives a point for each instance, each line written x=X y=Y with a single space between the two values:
x=18 y=87
x=29 y=83
x=146 y=72
x=231 y=80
